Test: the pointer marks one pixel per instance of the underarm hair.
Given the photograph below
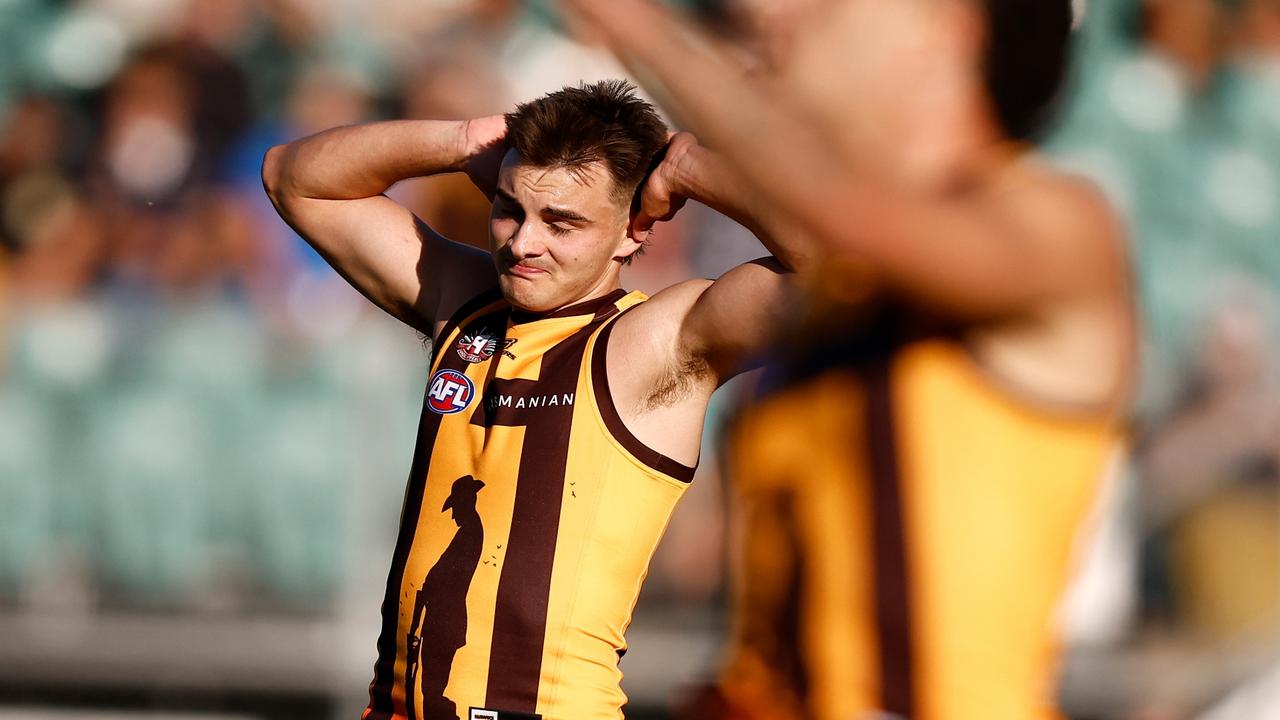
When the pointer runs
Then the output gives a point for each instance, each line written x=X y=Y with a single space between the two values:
x=675 y=384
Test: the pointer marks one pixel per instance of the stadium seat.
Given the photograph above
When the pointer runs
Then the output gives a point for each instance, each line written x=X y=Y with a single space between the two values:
x=27 y=434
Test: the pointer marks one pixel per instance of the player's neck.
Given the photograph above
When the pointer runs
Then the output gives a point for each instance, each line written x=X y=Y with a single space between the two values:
x=609 y=285
x=610 y=282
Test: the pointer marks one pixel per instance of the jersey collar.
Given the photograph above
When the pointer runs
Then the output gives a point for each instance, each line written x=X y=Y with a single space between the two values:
x=601 y=306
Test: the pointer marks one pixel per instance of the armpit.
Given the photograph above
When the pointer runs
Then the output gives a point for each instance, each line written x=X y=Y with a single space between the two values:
x=676 y=383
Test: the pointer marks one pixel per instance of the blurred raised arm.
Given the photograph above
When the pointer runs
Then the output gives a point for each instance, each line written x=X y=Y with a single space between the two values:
x=968 y=257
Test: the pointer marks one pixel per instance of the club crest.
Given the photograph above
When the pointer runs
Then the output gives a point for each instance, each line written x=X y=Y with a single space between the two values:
x=477 y=345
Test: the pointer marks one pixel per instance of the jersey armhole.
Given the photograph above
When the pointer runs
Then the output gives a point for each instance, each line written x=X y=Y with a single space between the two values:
x=651 y=458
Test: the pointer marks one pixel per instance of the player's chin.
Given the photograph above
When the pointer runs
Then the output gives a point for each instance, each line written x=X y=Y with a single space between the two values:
x=524 y=293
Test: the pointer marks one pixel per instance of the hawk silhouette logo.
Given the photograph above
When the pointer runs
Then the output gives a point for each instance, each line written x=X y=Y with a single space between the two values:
x=438 y=628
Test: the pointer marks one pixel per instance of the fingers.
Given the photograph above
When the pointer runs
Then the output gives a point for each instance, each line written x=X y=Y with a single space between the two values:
x=486 y=148
x=680 y=152
x=483 y=133
x=682 y=138
x=658 y=204
x=653 y=209
x=642 y=224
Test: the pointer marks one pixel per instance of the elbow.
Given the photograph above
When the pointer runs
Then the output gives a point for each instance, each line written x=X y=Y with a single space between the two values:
x=273 y=174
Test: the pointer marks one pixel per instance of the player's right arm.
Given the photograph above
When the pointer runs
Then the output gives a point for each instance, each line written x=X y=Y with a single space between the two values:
x=330 y=188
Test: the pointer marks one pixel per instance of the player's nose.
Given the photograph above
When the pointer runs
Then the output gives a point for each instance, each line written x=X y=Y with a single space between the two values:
x=526 y=243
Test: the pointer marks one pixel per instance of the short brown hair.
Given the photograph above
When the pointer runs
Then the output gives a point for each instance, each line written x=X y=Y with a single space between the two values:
x=1028 y=48
x=602 y=122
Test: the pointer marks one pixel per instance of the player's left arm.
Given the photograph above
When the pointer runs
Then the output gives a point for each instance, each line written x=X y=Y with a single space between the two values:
x=721 y=325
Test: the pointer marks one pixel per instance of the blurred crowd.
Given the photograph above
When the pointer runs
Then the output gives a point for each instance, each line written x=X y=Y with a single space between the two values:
x=1175 y=111
x=160 y=321
x=139 y=256
x=133 y=131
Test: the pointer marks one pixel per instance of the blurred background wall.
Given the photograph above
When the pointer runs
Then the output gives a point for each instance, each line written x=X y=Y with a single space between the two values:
x=204 y=433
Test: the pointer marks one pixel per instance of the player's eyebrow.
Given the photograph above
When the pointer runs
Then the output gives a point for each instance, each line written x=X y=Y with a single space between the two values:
x=556 y=212
x=565 y=214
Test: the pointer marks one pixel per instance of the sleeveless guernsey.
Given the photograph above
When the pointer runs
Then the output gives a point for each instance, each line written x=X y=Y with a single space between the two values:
x=906 y=533
x=529 y=521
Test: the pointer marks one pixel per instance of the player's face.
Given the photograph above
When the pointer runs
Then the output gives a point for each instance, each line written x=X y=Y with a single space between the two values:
x=557 y=235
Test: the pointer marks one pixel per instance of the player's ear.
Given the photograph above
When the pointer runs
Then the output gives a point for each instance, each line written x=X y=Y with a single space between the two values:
x=633 y=242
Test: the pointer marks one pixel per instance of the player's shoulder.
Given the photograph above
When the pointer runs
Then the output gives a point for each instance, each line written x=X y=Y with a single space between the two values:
x=667 y=305
x=684 y=294
x=1035 y=187
x=653 y=325
x=1060 y=209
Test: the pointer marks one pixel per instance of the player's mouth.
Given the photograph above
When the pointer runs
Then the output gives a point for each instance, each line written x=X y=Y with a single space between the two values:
x=527 y=271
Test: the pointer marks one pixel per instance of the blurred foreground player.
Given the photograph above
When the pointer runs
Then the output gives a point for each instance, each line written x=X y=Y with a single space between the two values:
x=914 y=474
x=563 y=415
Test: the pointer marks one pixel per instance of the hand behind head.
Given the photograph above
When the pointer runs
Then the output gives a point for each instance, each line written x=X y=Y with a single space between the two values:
x=661 y=197
x=486 y=146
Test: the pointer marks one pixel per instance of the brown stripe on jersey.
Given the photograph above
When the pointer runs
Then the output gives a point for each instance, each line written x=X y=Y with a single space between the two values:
x=791 y=658
x=893 y=612
x=524 y=587
x=381 y=706
x=613 y=421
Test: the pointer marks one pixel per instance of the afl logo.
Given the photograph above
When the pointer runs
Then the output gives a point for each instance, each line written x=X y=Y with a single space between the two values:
x=450 y=392
x=478 y=346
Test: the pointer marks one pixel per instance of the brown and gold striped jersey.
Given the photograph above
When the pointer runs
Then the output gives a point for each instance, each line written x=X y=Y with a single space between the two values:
x=906 y=533
x=529 y=520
